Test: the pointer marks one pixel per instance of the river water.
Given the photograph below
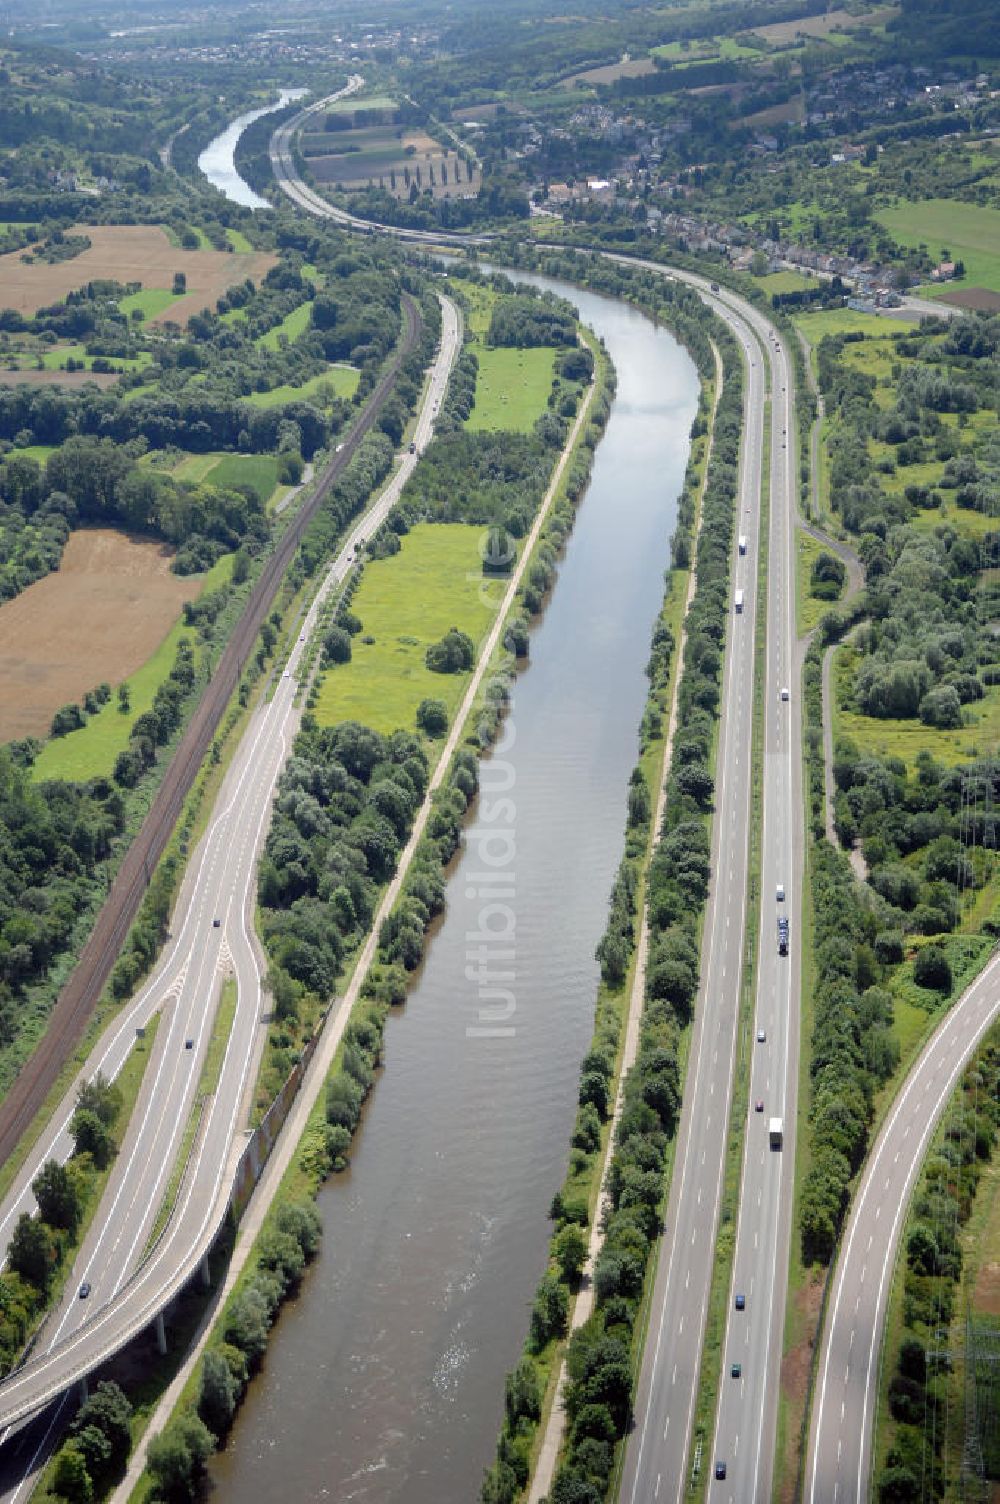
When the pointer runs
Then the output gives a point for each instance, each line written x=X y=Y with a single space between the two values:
x=384 y=1380
x=217 y=163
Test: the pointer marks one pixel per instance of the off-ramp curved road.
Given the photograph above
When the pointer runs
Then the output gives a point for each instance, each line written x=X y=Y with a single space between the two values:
x=838 y=1466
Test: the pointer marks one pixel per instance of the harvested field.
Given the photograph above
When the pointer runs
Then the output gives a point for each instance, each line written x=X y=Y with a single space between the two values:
x=98 y=617
x=792 y=110
x=781 y=33
x=978 y=298
x=475 y=112
x=636 y=67
x=56 y=378
x=130 y=253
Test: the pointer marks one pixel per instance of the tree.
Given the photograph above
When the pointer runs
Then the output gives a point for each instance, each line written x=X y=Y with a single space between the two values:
x=124 y=699
x=103 y=1430
x=432 y=717
x=548 y=1314
x=218 y=1393
x=932 y=970
x=55 y=1190
x=941 y=707
x=90 y=1136
x=570 y=1251
x=337 y=645
x=453 y=654
x=176 y=1458
x=247 y=1323
x=101 y=1096
x=70 y=1478
x=31 y=1252
x=522 y=1394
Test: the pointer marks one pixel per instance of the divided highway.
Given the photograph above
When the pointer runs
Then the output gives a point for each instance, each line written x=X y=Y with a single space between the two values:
x=655 y=1465
x=746 y=1419
x=213 y=935
x=658 y=1463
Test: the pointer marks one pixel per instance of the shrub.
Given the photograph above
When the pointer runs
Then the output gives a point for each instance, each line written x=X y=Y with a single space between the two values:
x=453 y=654
x=432 y=717
x=931 y=969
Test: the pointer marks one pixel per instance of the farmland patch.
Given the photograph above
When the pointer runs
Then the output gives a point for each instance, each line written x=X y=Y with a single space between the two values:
x=98 y=617
x=131 y=253
x=785 y=33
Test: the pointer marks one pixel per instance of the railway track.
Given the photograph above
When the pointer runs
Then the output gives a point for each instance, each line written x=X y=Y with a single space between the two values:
x=80 y=995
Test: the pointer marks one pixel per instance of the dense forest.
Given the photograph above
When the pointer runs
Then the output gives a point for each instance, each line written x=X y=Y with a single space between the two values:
x=925 y=654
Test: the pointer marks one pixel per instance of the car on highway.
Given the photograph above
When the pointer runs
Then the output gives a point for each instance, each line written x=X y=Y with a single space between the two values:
x=216 y=923
x=761 y=1036
x=714 y=286
x=413 y=448
x=758 y=1106
x=189 y=1044
x=85 y=1289
x=720 y=1470
x=784 y=693
x=737 y=1371
x=741 y=1302
x=779 y=893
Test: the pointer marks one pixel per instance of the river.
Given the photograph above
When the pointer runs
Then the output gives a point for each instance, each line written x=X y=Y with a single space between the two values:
x=217 y=160
x=384 y=1380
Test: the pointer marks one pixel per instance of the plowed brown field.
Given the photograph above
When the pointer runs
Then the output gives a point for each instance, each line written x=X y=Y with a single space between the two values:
x=130 y=253
x=98 y=617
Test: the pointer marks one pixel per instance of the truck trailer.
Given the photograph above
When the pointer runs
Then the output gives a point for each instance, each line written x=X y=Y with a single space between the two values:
x=782 y=936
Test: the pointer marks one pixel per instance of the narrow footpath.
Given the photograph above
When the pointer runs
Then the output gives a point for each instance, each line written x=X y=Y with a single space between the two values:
x=855 y=584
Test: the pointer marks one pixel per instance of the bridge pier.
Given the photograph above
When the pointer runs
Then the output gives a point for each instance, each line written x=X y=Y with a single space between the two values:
x=161 y=1334
x=206 y=1273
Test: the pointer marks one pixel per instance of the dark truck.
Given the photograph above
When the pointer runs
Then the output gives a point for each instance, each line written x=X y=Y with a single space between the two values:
x=782 y=937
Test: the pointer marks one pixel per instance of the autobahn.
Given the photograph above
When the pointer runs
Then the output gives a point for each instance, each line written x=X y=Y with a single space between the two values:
x=746 y=1417
x=657 y=1462
x=213 y=935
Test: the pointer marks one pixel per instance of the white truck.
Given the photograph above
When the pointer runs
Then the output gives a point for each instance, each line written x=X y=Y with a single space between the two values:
x=774 y=1133
x=738 y=602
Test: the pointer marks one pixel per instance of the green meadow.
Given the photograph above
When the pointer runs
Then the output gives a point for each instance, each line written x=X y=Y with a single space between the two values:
x=406 y=603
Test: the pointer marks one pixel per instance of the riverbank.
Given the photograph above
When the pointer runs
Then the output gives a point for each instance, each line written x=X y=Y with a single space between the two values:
x=292 y=1171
